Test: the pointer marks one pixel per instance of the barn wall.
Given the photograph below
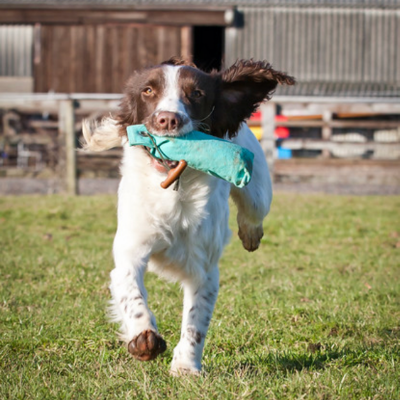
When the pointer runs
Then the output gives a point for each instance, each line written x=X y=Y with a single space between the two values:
x=99 y=58
x=322 y=44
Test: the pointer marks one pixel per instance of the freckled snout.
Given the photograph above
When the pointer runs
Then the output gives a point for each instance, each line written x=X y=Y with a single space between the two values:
x=167 y=121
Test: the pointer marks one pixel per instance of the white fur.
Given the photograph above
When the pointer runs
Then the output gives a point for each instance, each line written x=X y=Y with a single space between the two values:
x=180 y=235
x=106 y=136
x=171 y=100
x=254 y=200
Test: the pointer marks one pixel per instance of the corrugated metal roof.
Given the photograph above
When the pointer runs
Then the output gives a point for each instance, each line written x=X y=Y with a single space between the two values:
x=186 y=3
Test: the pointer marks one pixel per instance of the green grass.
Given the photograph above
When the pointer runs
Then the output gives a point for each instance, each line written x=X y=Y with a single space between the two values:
x=314 y=314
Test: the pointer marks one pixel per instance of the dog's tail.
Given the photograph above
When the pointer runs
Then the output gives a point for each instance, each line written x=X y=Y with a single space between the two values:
x=100 y=136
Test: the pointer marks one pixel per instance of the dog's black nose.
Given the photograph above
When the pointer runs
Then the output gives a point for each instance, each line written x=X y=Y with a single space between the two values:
x=168 y=121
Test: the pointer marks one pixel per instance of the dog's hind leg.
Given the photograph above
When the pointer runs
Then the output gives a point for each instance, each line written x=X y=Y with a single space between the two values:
x=198 y=306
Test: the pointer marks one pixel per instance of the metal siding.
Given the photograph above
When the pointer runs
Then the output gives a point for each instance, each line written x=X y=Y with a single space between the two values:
x=186 y=3
x=329 y=45
x=16 y=50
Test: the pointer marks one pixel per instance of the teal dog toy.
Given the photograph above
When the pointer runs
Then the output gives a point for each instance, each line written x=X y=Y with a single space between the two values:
x=217 y=157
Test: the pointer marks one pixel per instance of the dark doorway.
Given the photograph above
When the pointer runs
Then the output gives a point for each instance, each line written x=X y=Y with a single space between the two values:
x=208 y=47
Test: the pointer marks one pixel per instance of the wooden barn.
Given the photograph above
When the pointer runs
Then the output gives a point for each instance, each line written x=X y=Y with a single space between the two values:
x=345 y=55
x=333 y=47
x=93 y=46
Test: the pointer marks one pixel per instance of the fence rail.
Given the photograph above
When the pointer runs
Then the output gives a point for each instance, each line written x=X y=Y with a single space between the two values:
x=306 y=112
x=314 y=112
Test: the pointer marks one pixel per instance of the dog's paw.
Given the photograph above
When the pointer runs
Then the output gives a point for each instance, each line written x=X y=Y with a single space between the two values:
x=147 y=346
x=181 y=370
x=250 y=236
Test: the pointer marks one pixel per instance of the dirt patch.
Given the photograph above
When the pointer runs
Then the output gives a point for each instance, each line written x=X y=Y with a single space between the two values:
x=87 y=186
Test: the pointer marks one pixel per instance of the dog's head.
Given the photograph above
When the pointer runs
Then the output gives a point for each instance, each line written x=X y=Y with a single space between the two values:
x=175 y=97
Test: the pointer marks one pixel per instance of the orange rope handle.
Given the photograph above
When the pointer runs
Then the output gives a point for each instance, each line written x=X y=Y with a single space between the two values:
x=174 y=174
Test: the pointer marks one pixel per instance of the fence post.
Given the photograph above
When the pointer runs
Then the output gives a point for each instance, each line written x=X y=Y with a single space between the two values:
x=326 y=131
x=67 y=155
x=268 y=112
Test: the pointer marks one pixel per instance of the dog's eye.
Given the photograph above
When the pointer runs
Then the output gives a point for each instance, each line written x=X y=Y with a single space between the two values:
x=197 y=93
x=148 y=91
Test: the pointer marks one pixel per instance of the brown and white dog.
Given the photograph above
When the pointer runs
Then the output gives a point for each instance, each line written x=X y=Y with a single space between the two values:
x=181 y=234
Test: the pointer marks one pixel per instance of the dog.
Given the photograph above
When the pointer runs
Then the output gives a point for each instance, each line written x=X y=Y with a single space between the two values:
x=180 y=234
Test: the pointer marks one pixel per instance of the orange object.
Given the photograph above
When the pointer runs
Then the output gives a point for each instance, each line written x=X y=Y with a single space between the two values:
x=174 y=174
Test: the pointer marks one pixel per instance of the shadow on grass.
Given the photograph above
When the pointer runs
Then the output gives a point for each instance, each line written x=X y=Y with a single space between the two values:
x=313 y=360
x=298 y=362
x=289 y=362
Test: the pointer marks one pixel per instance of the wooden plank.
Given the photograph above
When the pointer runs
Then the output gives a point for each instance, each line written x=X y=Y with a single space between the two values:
x=29 y=138
x=326 y=130
x=340 y=124
x=365 y=124
x=162 y=43
x=106 y=78
x=114 y=59
x=89 y=63
x=99 y=58
x=60 y=59
x=16 y=84
x=125 y=54
x=301 y=105
x=187 y=42
x=336 y=115
x=67 y=156
x=132 y=55
x=122 y=57
x=48 y=67
x=44 y=103
x=168 y=42
x=74 y=75
x=356 y=115
x=150 y=43
x=268 y=113
x=40 y=69
x=315 y=144
x=81 y=60
x=141 y=58
x=316 y=163
x=104 y=154
x=135 y=53
x=74 y=15
x=337 y=102
x=43 y=124
x=40 y=49
x=338 y=170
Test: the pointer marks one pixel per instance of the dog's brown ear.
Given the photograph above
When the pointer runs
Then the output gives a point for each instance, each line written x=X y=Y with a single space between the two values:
x=177 y=60
x=243 y=87
x=127 y=114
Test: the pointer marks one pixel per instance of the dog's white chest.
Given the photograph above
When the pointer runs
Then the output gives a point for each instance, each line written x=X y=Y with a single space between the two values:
x=191 y=226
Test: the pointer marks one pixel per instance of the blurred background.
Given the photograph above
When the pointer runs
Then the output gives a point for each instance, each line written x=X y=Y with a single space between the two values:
x=336 y=131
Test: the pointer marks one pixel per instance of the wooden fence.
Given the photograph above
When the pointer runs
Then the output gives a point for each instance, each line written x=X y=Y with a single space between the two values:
x=324 y=113
x=329 y=114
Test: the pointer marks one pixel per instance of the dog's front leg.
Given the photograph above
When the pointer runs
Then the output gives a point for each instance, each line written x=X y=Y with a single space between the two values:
x=198 y=306
x=254 y=200
x=138 y=324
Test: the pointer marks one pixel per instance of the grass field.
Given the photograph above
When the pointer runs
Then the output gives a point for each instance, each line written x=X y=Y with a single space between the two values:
x=314 y=314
